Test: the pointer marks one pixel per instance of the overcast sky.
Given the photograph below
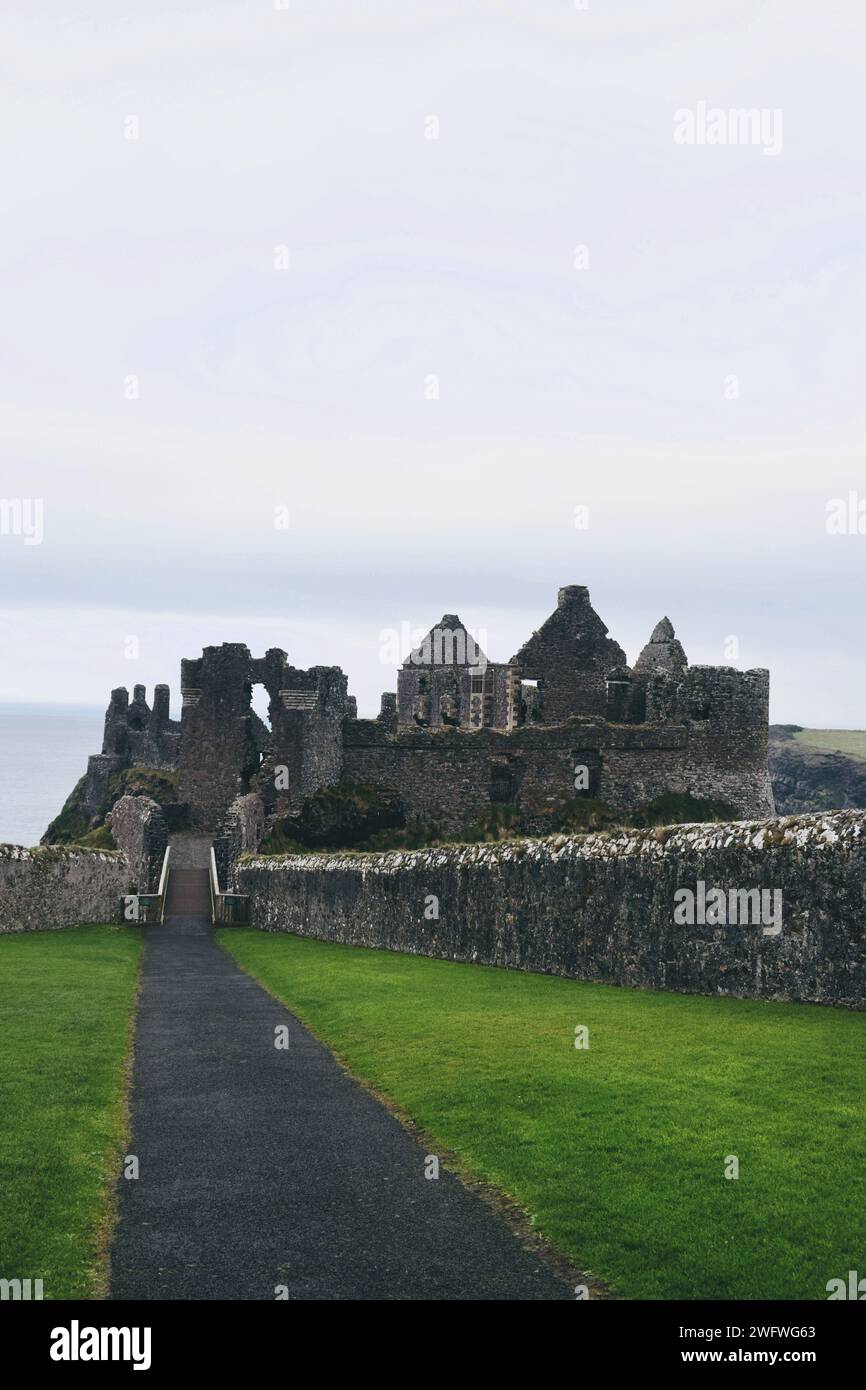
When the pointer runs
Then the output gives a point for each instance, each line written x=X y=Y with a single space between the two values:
x=430 y=277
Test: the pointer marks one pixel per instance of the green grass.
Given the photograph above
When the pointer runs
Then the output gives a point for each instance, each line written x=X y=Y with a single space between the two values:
x=850 y=741
x=617 y=1152
x=65 y=1004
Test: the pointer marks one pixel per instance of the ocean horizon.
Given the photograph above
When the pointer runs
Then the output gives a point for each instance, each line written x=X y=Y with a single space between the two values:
x=43 y=752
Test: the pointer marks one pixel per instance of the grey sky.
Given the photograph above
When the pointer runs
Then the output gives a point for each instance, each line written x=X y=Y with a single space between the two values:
x=410 y=258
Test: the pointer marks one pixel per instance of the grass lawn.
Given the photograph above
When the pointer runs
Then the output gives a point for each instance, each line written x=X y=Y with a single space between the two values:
x=850 y=741
x=617 y=1152
x=65 y=1004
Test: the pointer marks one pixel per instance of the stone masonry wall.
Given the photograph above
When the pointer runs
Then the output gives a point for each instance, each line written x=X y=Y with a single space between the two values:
x=570 y=655
x=55 y=886
x=600 y=907
x=446 y=777
x=138 y=829
x=218 y=752
x=240 y=833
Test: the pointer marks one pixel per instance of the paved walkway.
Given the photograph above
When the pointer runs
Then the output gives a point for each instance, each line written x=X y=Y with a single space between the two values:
x=261 y=1168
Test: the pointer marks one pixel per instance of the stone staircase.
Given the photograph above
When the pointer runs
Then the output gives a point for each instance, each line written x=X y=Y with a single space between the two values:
x=188 y=890
x=188 y=894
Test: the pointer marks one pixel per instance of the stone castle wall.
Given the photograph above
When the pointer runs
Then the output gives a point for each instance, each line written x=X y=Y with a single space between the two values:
x=55 y=886
x=218 y=753
x=225 y=747
x=449 y=778
x=139 y=830
x=600 y=907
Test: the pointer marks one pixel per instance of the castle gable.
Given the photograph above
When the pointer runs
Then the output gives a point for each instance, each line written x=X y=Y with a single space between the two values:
x=570 y=657
x=449 y=643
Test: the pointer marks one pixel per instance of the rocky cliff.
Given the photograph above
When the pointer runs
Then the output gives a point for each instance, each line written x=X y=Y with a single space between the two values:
x=807 y=777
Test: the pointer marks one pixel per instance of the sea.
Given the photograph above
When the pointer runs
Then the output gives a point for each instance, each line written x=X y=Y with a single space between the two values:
x=43 y=752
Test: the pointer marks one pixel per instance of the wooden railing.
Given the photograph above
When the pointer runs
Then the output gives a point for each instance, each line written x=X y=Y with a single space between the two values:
x=162 y=890
x=151 y=906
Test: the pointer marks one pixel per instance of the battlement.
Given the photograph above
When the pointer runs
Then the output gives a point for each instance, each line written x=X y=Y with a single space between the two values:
x=134 y=730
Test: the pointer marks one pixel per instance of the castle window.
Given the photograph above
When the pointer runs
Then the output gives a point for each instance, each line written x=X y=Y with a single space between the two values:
x=477 y=685
x=503 y=783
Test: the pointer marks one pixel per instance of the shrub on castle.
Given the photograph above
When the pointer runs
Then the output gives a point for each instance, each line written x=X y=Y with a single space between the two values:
x=681 y=808
x=340 y=817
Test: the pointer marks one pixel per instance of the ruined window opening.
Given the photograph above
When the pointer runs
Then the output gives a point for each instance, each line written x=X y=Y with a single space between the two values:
x=260 y=707
x=504 y=783
x=530 y=700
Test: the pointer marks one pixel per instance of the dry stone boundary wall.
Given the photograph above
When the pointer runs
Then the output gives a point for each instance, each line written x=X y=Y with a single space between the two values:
x=56 y=886
x=600 y=907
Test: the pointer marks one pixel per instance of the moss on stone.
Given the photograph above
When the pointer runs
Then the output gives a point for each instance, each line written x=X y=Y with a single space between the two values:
x=340 y=817
x=157 y=783
x=680 y=808
x=100 y=838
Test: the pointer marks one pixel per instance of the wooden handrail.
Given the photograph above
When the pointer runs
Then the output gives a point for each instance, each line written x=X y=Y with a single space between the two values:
x=163 y=884
x=220 y=911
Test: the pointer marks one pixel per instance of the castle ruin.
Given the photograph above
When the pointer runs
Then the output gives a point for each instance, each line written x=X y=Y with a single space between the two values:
x=565 y=717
